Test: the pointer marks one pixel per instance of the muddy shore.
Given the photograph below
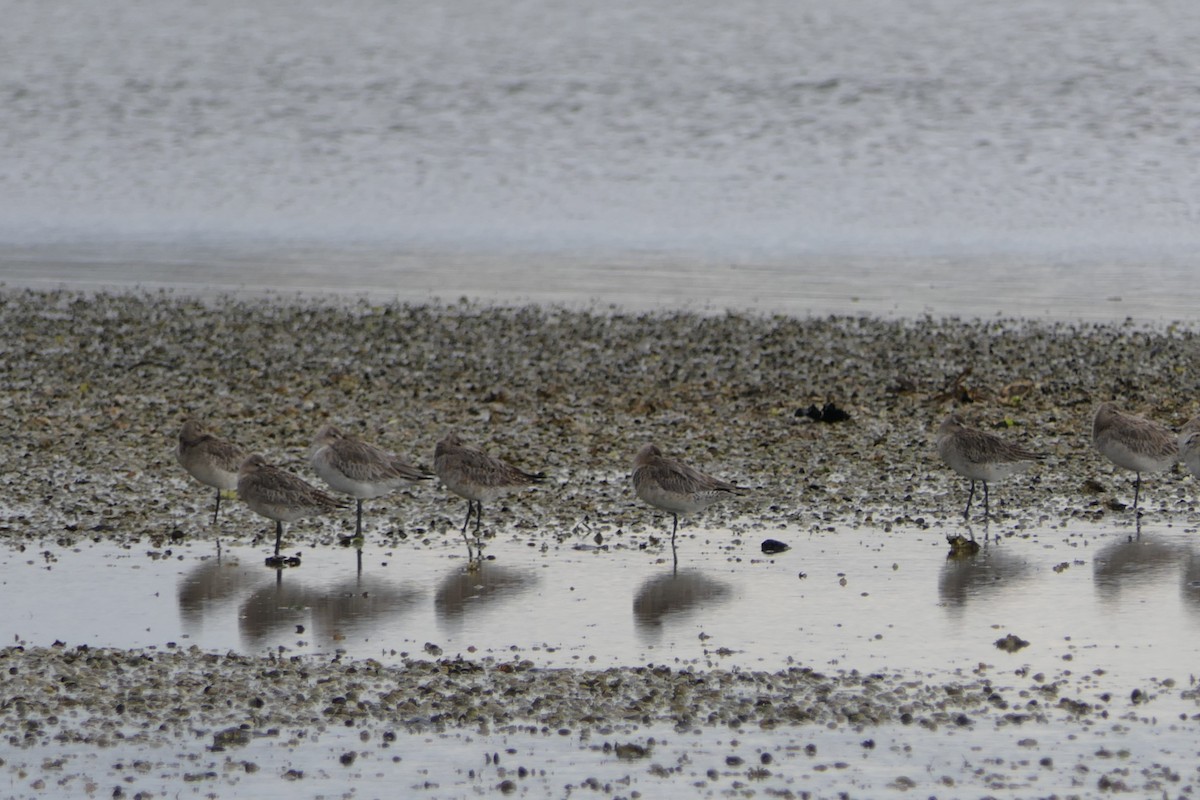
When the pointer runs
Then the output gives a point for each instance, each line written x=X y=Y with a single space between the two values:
x=97 y=385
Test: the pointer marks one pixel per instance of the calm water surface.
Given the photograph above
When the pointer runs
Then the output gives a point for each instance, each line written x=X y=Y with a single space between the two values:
x=1086 y=598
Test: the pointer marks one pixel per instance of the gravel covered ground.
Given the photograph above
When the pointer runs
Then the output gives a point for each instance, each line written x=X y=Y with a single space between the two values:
x=97 y=385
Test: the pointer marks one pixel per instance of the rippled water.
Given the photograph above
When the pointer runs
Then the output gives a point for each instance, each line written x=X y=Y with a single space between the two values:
x=1031 y=157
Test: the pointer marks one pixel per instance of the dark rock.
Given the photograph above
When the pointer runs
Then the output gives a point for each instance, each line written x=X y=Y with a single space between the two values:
x=1011 y=643
x=961 y=546
x=630 y=751
x=772 y=546
x=826 y=413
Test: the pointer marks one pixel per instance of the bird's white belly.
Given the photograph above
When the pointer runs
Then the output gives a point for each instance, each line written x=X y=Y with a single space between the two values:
x=361 y=490
x=1124 y=456
x=675 y=502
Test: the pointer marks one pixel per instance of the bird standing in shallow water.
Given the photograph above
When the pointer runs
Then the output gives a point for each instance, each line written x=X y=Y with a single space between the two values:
x=476 y=476
x=672 y=486
x=979 y=456
x=280 y=495
x=358 y=469
x=210 y=460
x=1133 y=443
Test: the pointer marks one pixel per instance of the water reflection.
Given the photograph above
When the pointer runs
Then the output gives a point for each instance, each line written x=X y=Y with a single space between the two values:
x=213 y=580
x=477 y=586
x=273 y=612
x=673 y=593
x=1190 y=585
x=991 y=570
x=1133 y=561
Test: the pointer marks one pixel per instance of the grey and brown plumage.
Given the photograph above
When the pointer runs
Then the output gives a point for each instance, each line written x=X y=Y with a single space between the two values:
x=1189 y=445
x=476 y=476
x=672 y=486
x=279 y=495
x=980 y=456
x=361 y=470
x=1133 y=443
x=211 y=460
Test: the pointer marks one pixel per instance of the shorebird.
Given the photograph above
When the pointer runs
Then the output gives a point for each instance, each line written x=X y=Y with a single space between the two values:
x=672 y=486
x=358 y=469
x=476 y=476
x=280 y=495
x=980 y=456
x=1189 y=445
x=212 y=461
x=1133 y=443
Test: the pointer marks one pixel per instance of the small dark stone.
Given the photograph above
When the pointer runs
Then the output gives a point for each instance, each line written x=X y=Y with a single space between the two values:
x=772 y=546
x=348 y=757
x=734 y=761
x=630 y=751
x=231 y=737
x=826 y=413
x=1011 y=643
x=961 y=546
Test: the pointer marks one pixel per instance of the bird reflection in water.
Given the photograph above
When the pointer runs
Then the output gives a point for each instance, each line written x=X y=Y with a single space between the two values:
x=1190 y=585
x=1133 y=560
x=362 y=603
x=674 y=593
x=466 y=589
x=209 y=583
x=967 y=577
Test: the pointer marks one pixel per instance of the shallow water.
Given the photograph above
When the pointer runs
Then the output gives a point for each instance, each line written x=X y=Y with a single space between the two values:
x=1029 y=158
x=1088 y=598
x=1035 y=286
x=1105 y=611
x=826 y=763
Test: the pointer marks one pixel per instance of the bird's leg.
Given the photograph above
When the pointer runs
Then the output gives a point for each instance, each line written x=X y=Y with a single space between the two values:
x=478 y=516
x=674 y=552
x=218 y=508
x=358 y=524
x=278 y=536
x=970 y=495
x=1137 y=490
x=986 y=509
x=470 y=507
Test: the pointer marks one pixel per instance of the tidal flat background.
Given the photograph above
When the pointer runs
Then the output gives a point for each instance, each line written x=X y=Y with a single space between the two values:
x=565 y=230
